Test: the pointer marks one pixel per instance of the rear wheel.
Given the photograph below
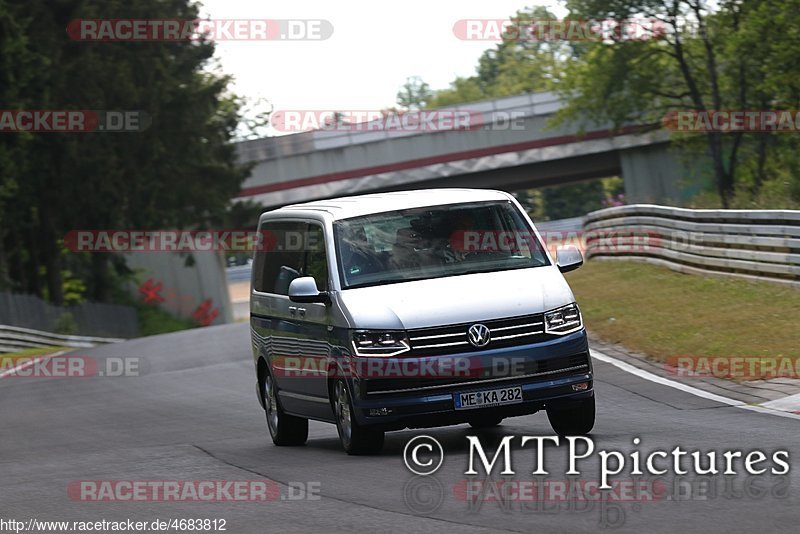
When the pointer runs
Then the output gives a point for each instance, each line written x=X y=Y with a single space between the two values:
x=575 y=420
x=285 y=429
x=356 y=439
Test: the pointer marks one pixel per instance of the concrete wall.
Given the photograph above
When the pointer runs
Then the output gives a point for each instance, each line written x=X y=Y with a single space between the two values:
x=653 y=175
x=198 y=292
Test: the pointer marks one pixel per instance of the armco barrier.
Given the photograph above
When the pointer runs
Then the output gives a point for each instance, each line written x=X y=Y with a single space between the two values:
x=755 y=244
x=15 y=339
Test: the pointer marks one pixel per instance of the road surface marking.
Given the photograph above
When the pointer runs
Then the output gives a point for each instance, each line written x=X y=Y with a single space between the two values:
x=771 y=407
x=28 y=363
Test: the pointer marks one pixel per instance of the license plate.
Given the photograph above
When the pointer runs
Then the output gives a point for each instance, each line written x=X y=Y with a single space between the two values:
x=491 y=397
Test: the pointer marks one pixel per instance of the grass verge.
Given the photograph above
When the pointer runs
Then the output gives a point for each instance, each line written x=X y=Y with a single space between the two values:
x=8 y=360
x=666 y=314
x=153 y=320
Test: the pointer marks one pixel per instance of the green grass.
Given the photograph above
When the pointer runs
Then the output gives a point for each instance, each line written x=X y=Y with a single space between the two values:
x=153 y=320
x=663 y=313
x=9 y=359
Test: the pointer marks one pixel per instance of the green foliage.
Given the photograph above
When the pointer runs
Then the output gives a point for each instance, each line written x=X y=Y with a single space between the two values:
x=612 y=186
x=513 y=67
x=644 y=308
x=74 y=288
x=153 y=320
x=461 y=91
x=712 y=56
x=414 y=94
x=706 y=55
x=531 y=202
x=179 y=172
x=241 y=215
x=66 y=324
x=569 y=200
x=572 y=200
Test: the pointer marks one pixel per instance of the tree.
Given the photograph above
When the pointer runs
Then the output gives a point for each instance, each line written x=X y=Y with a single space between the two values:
x=179 y=172
x=414 y=94
x=709 y=57
x=515 y=66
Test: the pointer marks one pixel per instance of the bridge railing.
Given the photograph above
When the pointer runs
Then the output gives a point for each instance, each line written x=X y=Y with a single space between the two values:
x=755 y=244
x=527 y=105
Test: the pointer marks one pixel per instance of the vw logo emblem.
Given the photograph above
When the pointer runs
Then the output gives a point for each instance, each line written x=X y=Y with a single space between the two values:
x=478 y=335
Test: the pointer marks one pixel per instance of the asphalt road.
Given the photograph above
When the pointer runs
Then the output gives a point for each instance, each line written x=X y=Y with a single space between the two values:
x=193 y=415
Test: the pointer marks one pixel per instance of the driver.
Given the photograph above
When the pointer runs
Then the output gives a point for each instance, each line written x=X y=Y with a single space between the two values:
x=455 y=249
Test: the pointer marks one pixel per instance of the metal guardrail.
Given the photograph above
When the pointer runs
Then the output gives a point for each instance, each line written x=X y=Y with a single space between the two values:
x=754 y=244
x=15 y=339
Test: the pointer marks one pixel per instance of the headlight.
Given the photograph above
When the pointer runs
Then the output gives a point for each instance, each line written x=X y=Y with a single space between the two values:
x=380 y=343
x=563 y=320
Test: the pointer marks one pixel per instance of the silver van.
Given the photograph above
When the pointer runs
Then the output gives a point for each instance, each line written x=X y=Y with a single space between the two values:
x=414 y=309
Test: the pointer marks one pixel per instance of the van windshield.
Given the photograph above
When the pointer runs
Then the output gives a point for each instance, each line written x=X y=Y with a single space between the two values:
x=433 y=242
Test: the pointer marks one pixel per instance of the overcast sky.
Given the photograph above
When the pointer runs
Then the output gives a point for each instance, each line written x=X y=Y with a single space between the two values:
x=374 y=47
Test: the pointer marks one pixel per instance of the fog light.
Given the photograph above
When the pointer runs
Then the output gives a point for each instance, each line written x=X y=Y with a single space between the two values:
x=375 y=412
x=583 y=386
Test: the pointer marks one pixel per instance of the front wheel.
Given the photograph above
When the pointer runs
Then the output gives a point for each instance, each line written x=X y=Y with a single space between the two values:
x=285 y=429
x=575 y=420
x=356 y=439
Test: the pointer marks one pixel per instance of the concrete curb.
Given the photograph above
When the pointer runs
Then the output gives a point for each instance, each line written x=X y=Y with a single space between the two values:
x=779 y=394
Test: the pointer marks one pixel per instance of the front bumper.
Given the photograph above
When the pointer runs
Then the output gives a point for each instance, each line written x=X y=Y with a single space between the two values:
x=545 y=371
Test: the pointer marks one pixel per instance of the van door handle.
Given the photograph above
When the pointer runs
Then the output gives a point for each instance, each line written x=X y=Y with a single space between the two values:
x=292 y=310
x=301 y=312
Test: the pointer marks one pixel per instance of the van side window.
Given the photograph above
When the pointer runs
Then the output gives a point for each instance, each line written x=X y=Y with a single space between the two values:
x=316 y=263
x=258 y=270
x=281 y=261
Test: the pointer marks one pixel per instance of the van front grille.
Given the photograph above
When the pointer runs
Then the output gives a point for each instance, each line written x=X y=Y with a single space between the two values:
x=452 y=339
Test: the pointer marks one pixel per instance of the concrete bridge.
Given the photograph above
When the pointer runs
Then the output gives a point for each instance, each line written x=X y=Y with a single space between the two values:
x=512 y=147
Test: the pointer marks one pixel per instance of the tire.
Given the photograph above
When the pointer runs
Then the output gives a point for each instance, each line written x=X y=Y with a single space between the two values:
x=576 y=420
x=356 y=439
x=485 y=422
x=285 y=429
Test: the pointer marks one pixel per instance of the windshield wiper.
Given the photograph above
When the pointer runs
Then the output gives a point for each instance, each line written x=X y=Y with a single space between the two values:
x=494 y=269
x=477 y=271
x=383 y=281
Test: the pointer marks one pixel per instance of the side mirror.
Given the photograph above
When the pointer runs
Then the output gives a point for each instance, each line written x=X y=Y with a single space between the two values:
x=304 y=289
x=568 y=258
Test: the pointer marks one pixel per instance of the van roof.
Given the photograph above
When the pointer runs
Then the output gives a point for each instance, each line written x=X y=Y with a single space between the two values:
x=355 y=206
